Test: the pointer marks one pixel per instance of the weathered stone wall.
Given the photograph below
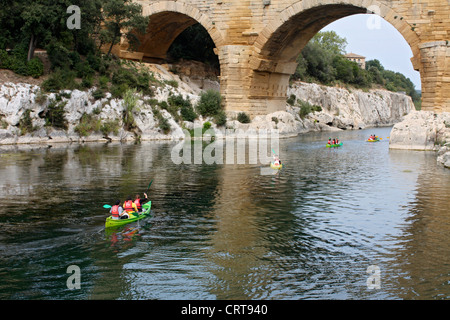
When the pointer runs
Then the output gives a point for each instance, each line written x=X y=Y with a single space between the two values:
x=257 y=41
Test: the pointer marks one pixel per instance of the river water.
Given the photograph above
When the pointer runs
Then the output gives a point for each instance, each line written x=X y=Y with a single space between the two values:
x=356 y=222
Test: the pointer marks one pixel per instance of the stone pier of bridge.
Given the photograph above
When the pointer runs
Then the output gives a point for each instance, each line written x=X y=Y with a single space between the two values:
x=258 y=41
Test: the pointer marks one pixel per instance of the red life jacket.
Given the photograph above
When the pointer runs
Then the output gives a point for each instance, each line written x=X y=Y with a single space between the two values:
x=137 y=202
x=128 y=206
x=115 y=211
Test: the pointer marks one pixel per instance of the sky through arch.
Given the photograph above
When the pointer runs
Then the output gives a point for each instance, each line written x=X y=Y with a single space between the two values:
x=375 y=38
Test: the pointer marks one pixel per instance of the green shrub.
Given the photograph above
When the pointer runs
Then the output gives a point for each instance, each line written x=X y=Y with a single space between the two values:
x=207 y=125
x=98 y=94
x=5 y=60
x=291 y=99
x=178 y=101
x=306 y=108
x=110 y=126
x=163 y=105
x=164 y=124
x=94 y=61
x=172 y=83
x=87 y=82
x=130 y=100
x=118 y=90
x=35 y=68
x=40 y=98
x=84 y=70
x=74 y=57
x=103 y=82
x=19 y=66
x=54 y=115
x=242 y=117
x=17 y=62
x=59 y=56
x=210 y=103
x=188 y=113
x=52 y=84
x=124 y=76
x=220 y=118
x=88 y=124
x=25 y=123
x=60 y=79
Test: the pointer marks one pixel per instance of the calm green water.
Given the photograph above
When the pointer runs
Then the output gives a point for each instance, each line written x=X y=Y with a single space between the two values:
x=226 y=231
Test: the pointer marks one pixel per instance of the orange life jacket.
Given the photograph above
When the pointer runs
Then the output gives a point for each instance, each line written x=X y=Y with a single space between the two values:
x=115 y=211
x=128 y=206
x=137 y=202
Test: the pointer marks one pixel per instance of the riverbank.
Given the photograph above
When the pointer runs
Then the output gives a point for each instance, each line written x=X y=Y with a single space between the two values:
x=424 y=131
x=27 y=114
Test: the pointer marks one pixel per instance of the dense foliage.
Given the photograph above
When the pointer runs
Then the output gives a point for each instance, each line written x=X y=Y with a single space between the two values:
x=27 y=25
x=322 y=60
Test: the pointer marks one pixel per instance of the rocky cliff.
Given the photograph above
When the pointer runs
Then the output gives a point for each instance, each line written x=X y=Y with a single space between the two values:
x=351 y=108
x=311 y=107
x=425 y=131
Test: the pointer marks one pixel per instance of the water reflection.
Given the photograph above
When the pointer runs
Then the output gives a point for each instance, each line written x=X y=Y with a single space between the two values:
x=226 y=231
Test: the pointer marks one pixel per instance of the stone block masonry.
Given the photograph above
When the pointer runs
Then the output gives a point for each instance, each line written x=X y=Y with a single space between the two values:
x=258 y=41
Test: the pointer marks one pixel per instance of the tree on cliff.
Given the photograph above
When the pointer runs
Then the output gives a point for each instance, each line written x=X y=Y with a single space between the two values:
x=122 y=18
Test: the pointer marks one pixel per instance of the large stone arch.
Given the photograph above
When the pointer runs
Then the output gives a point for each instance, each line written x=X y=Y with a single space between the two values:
x=299 y=22
x=167 y=20
x=257 y=42
x=281 y=41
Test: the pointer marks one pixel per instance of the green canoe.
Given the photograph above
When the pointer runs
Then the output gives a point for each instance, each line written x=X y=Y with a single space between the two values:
x=110 y=222
x=334 y=145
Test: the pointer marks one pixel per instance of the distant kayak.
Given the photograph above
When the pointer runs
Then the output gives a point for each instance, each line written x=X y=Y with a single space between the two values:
x=276 y=166
x=135 y=216
x=376 y=140
x=334 y=145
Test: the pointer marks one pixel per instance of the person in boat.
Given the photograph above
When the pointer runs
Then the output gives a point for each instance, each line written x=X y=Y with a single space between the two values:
x=139 y=202
x=276 y=160
x=333 y=142
x=129 y=206
x=117 y=211
x=329 y=141
x=337 y=141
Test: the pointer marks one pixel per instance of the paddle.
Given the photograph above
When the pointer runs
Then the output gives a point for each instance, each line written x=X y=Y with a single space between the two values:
x=149 y=185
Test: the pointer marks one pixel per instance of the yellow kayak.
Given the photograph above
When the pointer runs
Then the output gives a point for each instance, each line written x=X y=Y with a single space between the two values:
x=276 y=166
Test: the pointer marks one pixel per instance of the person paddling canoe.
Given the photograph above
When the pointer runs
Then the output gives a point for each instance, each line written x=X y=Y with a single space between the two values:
x=276 y=160
x=139 y=202
x=129 y=206
x=117 y=211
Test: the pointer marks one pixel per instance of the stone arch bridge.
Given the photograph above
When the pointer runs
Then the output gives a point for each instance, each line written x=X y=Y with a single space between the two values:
x=258 y=41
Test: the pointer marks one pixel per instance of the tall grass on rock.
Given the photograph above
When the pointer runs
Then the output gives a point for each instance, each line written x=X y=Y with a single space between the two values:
x=130 y=100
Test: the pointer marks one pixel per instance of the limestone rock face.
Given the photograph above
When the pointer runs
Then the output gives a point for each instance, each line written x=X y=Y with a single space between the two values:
x=421 y=130
x=341 y=109
x=353 y=109
x=444 y=156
